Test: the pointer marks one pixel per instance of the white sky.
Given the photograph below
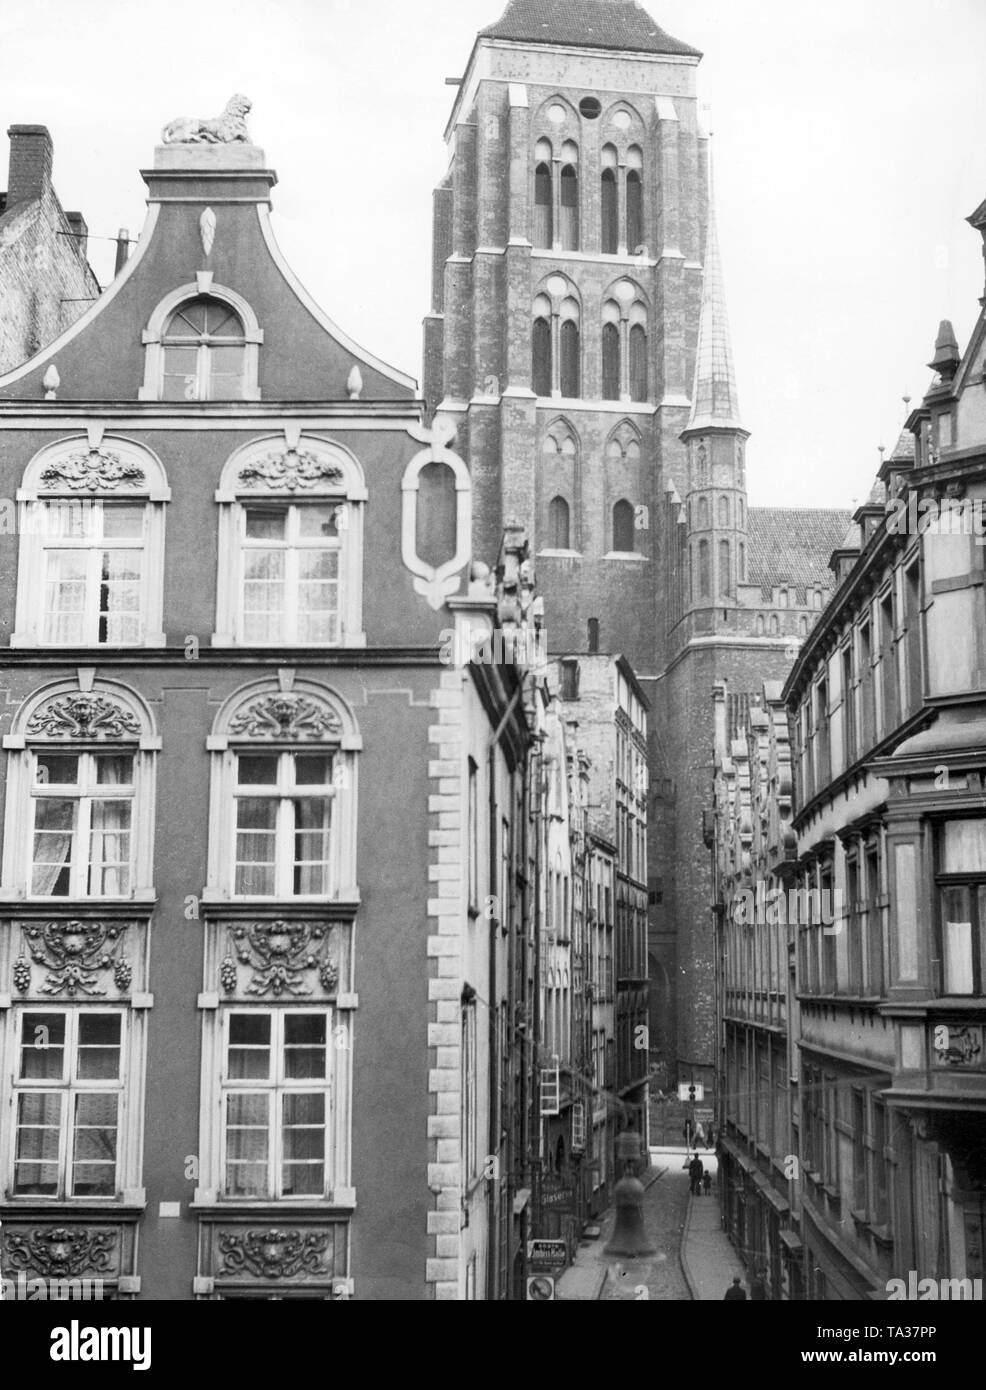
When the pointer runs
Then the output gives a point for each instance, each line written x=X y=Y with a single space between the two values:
x=850 y=144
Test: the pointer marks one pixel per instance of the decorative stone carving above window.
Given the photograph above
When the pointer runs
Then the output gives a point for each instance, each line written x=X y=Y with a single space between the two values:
x=285 y=715
x=79 y=957
x=279 y=958
x=292 y=470
x=98 y=470
x=82 y=716
x=61 y=1252
x=275 y=1254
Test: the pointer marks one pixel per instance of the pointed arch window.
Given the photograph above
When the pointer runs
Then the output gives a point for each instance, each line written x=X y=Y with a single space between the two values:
x=611 y=351
x=703 y=513
x=543 y=196
x=559 y=515
x=741 y=567
x=725 y=578
x=723 y=511
x=704 y=575
x=638 y=353
x=570 y=365
x=635 y=199
x=609 y=202
x=569 y=197
x=623 y=531
x=541 y=352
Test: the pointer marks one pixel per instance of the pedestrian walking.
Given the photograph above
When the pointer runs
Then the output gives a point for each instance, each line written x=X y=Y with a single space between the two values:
x=737 y=1293
x=758 y=1285
x=699 y=1134
x=707 y=1182
x=695 y=1170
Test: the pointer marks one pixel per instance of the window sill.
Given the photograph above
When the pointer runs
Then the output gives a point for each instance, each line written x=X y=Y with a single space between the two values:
x=225 y=641
x=631 y=555
x=78 y=1206
x=550 y=554
x=315 y=906
x=28 y=640
x=208 y=1204
x=117 y=907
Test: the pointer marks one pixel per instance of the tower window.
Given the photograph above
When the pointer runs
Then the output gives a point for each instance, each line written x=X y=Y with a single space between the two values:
x=611 y=362
x=724 y=575
x=638 y=362
x=704 y=577
x=569 y=207
x=723 y=511
x=741 y=571
x=569 y=353
x=590 y=108
x=609 y=209
x=541 y=352
x=543 y=229
x=703 y=513
x=623 y=536
x=635 y=200
x=558 y=524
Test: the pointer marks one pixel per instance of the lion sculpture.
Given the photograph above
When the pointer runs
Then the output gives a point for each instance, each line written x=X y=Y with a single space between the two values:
x=223 y=130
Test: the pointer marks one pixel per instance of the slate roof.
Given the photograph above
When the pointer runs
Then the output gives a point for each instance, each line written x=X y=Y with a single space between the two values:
x=620 y=24
x=792 y=545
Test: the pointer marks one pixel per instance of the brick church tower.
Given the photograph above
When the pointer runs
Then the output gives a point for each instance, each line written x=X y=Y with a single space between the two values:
x=577 y=335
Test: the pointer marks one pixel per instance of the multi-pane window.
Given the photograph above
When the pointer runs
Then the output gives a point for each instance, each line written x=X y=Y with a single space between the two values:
x=283 y=825
x=203 y=353
x=276 y=1104
x=962 y=905
x=92 y=572
x=290 y=574
x=82 y=841
x=469 y=1118
x=67 y=1093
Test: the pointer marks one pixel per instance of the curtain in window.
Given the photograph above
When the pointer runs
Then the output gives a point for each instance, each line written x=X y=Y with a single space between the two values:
x=247 y=1144
x=109 y=852
x=256 y=838
x=312 y=825
x=263 y=594
x=65 y=597
x=119 y=597
x=54 y=830
x=303 y=1143
x=94 y=1148
x=39 y=1117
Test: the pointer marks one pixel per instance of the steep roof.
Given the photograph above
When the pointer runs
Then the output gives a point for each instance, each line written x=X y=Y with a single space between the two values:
x=792 y=545
x=620 y=24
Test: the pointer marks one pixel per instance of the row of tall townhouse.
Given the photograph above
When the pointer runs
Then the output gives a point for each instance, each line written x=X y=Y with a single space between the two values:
x=276 y=1022
x=850 y=863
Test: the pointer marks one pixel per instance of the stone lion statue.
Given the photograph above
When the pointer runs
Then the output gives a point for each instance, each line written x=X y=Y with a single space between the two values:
x=222 y=130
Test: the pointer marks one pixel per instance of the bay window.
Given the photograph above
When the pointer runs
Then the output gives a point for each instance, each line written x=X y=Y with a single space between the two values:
x=962 y=906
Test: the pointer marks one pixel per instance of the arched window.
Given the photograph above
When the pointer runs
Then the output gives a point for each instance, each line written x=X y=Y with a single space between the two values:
x=569 y=200
x=203 y=352
x=739 y=511
x=541 y=355
x=723 y=511
x=638 y=354
x=741 y=568
x=774 y=625
x=635 y=199
x=558 y=524
x=290 y=542
x=725 y=577
x=803 y=626
x=760 y=625
x=435 y=522
x=704 y=576
x=623 y=535
x=543 y=209
x=609 y=205
x=781 y=598
x=611 y=353
x=703 y=513
x=569 y=366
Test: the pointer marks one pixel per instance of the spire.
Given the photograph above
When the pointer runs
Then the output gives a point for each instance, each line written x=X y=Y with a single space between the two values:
x=714 y=398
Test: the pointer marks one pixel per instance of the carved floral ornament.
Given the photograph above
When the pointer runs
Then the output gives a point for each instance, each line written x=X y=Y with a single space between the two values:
x=275 y=1254
x=78 y=956
x=82 y=716
x=286 y=715
x=291 y=470
x=280 y=958
x=92 y=470
x=60 y=1252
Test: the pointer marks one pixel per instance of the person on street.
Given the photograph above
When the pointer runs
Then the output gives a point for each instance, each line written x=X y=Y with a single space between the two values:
x=736 y=1293
x=695 y=1170
x=758 y=1285
x=706 y=1181
x=699 y=1134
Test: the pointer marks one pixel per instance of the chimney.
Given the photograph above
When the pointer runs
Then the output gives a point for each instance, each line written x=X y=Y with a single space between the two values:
x=122 y=250
x=77 y=225
x=30 y=164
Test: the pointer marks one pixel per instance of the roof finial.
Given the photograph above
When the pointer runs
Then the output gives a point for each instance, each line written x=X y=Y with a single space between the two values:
x=714 y=395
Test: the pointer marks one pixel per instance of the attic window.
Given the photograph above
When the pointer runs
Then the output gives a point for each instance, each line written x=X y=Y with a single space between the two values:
x=590 y=107
x=204 y=350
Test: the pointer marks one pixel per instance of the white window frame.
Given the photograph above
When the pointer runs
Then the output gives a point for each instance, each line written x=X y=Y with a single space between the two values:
x=291 y=547
x=44 y=486
x=276 y=1087
x=286 y=792
x=153 y=334
x=84 y=792
x=346 y=491
x=225 y=745
x=69 y=1086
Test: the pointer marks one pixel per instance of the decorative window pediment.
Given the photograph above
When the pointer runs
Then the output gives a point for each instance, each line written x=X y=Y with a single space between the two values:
x=291 y=544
